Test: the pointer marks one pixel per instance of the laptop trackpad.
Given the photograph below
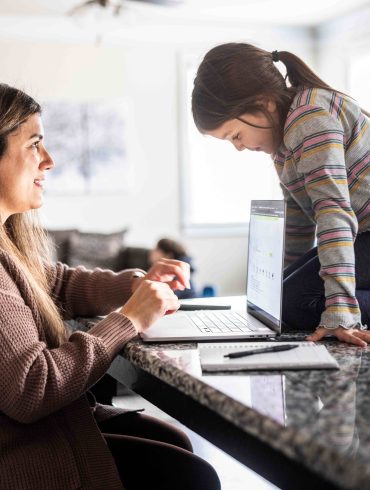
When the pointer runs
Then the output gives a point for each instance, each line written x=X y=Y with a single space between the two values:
x=175 y=325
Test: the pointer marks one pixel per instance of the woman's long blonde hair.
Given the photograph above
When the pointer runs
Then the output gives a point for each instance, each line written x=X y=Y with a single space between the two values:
x=22 y=236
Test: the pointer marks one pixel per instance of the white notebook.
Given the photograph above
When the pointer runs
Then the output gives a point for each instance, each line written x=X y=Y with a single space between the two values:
x=306 y=356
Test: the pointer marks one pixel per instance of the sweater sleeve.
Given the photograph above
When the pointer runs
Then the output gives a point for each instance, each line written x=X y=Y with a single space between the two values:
x=316 y=141
x=299 y=231
x=81 y=292
x=36 y=380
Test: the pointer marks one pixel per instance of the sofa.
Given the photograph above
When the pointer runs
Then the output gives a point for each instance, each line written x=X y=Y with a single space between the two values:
x=104 y=250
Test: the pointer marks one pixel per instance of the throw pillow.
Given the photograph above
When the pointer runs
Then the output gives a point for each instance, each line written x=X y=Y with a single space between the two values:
x=96 y=250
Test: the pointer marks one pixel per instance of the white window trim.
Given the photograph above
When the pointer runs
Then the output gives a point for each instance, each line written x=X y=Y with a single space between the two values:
x=185 y=60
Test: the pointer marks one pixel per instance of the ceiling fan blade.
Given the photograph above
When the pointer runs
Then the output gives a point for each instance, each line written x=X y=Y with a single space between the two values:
x=116 y=5
x=164 y=3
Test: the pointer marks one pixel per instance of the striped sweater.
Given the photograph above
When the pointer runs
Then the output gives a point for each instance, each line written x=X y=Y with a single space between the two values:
x=324 y=170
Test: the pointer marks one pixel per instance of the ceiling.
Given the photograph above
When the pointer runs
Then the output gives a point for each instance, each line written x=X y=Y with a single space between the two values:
x=282 y=12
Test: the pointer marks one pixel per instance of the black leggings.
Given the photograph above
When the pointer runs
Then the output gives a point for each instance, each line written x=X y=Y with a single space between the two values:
x=303 y=288
x=150 y=453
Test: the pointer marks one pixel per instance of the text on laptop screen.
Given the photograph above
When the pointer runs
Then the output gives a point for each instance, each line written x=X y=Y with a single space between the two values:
x=265 y=259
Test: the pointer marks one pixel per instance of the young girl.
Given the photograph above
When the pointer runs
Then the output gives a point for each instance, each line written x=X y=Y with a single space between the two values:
x=319 y=140
x=53 y=435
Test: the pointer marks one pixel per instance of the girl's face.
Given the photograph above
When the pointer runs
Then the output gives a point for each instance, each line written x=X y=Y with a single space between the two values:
x=22 y=169
x=244 y=135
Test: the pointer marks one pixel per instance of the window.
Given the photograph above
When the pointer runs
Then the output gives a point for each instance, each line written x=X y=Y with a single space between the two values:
x=218 y=182
x=359 y=75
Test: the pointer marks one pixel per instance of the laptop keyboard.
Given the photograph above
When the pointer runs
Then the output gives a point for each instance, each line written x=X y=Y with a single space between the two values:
x=231 y=321
x=221 y=322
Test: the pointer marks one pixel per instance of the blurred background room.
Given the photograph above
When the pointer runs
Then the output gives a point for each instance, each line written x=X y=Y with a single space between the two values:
x=115 y=78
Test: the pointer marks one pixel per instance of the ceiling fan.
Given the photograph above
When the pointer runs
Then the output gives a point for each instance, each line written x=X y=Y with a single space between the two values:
x=116 y=6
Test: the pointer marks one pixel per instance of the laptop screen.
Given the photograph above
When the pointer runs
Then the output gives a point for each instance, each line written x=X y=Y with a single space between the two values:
x=265 y=261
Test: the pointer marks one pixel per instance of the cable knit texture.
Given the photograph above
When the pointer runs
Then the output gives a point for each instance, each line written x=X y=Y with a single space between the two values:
x=48 y=436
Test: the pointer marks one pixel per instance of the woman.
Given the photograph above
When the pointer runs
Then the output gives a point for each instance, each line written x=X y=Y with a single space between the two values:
x=53 y=436
x=319 y=140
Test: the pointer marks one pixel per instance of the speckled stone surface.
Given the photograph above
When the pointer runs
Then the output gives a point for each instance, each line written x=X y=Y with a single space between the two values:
x=320 y=418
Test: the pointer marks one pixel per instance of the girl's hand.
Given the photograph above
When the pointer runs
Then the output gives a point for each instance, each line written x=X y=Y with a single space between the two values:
x=150 y=301
x=350 y=336
x=175 y=273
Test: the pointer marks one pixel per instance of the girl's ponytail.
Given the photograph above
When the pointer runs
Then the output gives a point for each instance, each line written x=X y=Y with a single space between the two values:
x=297 y=72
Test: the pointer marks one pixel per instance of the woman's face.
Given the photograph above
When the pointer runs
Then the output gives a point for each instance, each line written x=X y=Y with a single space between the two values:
x=243 y=135
x=22 y=169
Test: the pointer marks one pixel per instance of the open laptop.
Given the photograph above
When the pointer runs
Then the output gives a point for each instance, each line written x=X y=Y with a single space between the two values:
x=262 y=316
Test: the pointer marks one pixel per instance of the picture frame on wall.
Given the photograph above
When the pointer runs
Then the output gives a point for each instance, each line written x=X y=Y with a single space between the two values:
x=88 y=143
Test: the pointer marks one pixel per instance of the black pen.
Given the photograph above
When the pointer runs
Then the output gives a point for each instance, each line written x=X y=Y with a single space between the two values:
x=275 y=348
x=192 y=307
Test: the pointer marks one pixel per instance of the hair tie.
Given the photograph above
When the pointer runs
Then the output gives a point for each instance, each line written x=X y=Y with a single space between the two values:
x=275 y=56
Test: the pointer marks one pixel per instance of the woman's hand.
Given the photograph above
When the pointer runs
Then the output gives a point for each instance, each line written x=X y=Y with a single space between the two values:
x=175 y=273
x=350 y=336
x=150 y=301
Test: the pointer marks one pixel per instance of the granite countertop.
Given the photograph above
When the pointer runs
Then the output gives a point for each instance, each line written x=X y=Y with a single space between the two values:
x=319 y=417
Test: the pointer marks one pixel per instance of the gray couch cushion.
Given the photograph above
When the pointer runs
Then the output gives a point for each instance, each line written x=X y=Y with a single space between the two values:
x=96 y=249
x=59 y=242
x=132 y=257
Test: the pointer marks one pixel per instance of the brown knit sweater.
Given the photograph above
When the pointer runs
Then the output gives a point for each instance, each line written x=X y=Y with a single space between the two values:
x=48 y=435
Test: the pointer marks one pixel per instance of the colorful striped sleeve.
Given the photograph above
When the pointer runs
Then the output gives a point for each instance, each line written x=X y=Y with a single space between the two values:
x=316 y=139
x=299 y=231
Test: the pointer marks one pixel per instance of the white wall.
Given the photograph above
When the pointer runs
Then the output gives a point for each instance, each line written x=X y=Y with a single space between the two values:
x=142 y=67
x=338 y=41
